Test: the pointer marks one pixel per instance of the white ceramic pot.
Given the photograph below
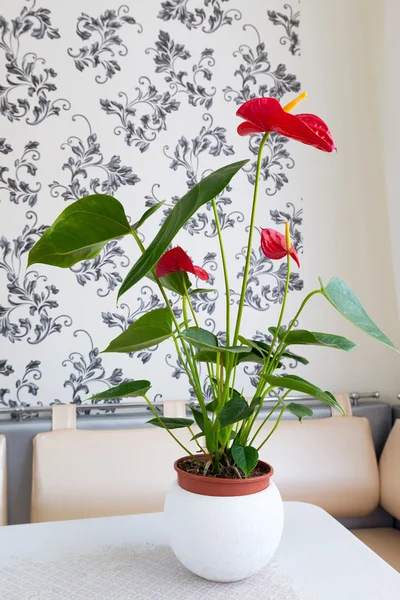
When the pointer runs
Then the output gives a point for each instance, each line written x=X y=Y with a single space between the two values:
x=224 y=538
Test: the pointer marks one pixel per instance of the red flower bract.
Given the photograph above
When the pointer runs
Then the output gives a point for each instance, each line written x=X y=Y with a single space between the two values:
x=273 y=244
x=176 y=259
x=266 y=114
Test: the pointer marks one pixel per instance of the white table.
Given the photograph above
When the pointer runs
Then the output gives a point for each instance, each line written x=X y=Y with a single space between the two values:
x=127 y=558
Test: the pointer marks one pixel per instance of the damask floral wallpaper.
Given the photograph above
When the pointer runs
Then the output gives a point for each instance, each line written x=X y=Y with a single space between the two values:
x=136 y=100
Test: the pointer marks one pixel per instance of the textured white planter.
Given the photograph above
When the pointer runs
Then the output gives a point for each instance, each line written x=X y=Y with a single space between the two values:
x=224 y=538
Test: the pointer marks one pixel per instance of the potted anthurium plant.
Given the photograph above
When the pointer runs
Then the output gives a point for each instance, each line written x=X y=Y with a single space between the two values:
x=225 y=515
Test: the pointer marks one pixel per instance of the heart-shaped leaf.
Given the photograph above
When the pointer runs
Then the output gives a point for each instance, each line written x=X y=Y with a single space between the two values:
x=245 y=457
x=128 y=389
x=150 y=211
x=81 y=231
x=314 y=338
x=203 y=192
x=346 y=302
x=299 y=410
x=236 y=410
x=171 y=422
x=298 y=384
x=149 y=330
x=201 y=338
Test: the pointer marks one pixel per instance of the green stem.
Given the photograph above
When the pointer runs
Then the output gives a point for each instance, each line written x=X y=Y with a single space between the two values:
x=254 y=417
x=273 y=429
x=296 y=316
x=165 y=297
x=189 y=301
x=250 y=240
x=263 y=422
x=278 y=327
x=225 y=269
x=196 y=440
x=169 y=431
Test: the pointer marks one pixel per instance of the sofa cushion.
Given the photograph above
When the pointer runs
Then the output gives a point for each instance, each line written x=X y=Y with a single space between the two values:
x=384 y=541
x=328 y=462
x=389 y=468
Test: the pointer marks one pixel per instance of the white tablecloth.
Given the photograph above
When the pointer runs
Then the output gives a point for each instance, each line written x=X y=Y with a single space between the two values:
x=127 y=558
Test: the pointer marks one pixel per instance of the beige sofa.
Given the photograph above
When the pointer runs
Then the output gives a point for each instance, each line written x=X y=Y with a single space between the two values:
x=386 y=541
x=329 y=462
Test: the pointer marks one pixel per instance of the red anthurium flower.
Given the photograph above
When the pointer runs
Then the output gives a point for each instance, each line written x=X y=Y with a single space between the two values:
x=266 y=114
x=274 y=245
x=176 y=259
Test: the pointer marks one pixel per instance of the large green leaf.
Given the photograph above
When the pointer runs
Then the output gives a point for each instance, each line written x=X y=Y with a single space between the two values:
x=236 y=410
x=313 y=338
x=201 y=338
x=245 y=457
x=171 y=422
x=298 y=384
x=149 y=330
x=128 y=389
x=81 y=231
x=150 y=211
x=346 y=302
x=203 y=192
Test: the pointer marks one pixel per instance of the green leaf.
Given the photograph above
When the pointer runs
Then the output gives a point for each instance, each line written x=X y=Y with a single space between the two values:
x=208 y=342
x=299 y=410
x=261 y=350
x=197 y=436
x=236 y=410
x=202 y=291
x=212 y=406
x=128 y=389
x=251 y=357
x=173 y=281
x=206 y=356
x=245 y=457
x=314 y=338
x=296 y=357
x=150 y=211
x=203 y=192
x=201 y=338
x=298 y=384
x=81 y=231
x=149 y=330
x=346 y=302
x=198 y=417
x=171 y=423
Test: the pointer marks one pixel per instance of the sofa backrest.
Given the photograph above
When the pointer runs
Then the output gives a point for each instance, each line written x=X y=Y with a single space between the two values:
x=79 y=474
x=329 y=462
x=389 y=468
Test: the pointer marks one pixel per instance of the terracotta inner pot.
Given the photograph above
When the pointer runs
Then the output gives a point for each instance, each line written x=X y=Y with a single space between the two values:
x=214 y=486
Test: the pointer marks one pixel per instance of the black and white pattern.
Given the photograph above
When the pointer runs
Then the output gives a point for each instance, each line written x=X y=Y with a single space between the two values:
x=138 y=101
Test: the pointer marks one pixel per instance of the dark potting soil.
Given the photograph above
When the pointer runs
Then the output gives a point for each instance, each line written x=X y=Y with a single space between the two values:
x=190 y=465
